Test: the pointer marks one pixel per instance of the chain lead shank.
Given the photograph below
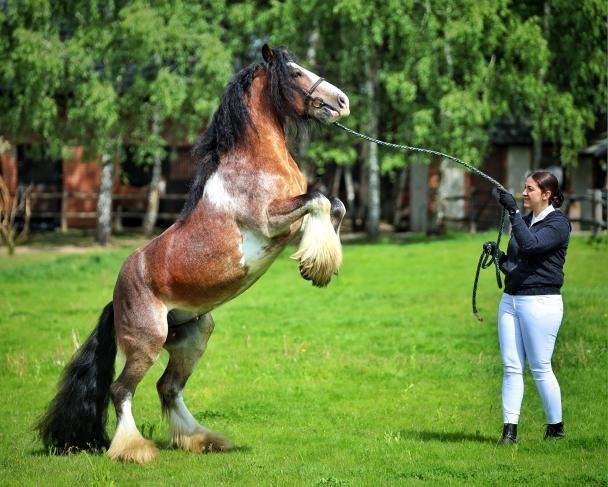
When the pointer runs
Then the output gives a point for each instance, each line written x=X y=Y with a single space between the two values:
x=485 y=261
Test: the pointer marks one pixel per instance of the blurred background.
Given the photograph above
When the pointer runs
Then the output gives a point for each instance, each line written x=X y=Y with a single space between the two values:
x=101 y=102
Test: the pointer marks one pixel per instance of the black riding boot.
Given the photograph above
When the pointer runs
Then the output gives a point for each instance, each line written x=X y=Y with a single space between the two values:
x=509 y=434
x=555 y=432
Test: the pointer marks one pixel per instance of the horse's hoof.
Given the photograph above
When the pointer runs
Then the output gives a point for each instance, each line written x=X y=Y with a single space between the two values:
x=206 y=442
x=138 y=450
x=304 y=273
x=320 y=277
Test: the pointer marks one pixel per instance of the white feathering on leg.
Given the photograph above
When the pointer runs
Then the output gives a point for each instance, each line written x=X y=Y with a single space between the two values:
x=320 y=251
x=128 y=445
x=188 y=434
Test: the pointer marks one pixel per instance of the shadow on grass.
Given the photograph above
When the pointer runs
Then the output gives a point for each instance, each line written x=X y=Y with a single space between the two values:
x=161 y=445
x=445 y=437
x=47 y=452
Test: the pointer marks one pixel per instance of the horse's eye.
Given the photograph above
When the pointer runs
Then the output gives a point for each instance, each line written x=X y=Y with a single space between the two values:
x=296 y=74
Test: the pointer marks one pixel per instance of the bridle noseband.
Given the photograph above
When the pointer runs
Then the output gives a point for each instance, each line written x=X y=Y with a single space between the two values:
x=315 y=86
x=317 y=102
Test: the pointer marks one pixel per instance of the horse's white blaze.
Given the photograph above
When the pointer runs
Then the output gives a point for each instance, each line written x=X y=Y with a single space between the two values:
x=320 y=251
x=310 y=76
x=325 y=89
x=256 y=253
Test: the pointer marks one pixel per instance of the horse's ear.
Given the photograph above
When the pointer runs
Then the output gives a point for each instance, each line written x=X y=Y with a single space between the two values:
x=267 y=53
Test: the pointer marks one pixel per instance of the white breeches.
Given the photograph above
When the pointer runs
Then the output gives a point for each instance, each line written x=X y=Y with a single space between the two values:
x=527 y=329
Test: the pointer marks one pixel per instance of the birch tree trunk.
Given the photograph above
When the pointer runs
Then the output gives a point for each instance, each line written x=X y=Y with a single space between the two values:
x=361 y=212
x=153 y=197
x=372 y=222
x=350 y=195
x=154 y=193
x=104 y=202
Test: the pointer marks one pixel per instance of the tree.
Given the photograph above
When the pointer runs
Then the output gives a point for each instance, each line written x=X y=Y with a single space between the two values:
x=91 y=94
x=568 y=58
x=30 y=72
x=437 y=74
x=173 y=66
x=403 y=68
x=441 y=74
x=158 y=68
x=146 y=73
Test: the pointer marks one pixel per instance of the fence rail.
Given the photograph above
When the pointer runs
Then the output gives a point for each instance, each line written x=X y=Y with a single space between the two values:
x=121 y=202
x=586 y=210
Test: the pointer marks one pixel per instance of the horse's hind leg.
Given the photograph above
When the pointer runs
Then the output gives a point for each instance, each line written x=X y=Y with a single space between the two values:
x=141 y=338
x=186 y=344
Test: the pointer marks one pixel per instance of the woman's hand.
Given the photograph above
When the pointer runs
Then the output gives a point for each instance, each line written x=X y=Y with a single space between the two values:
x=491 y=248
x=508 y=202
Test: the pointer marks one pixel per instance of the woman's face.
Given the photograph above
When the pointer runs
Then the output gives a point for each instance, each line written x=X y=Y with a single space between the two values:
x=533 y=196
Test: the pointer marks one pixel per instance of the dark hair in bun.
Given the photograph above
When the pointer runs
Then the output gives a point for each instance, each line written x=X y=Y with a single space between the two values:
x=548 y=182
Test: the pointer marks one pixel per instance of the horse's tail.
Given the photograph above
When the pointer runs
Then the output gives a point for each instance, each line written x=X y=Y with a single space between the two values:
x=76 y=417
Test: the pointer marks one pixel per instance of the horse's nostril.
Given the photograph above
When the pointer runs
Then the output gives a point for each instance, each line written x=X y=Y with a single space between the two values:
x=341 y=101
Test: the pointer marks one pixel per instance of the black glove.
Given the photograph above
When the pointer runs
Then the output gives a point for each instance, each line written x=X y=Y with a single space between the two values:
x=491 y=248
x=508 y=202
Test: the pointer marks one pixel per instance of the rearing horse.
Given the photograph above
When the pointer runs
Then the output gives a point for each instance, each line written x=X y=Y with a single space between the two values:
x=247 y=202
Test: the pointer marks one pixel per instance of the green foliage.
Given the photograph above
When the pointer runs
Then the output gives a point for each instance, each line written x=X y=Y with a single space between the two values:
x=30 y=71
x=324 y=155
x=446 y=72
x=175 y=64
x=383 y=378
x=563 y=84
x=449 y=72
x=92 y=114
x=117 y=70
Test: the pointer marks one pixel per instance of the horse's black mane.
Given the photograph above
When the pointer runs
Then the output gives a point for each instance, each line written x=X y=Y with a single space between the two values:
x=231 y=120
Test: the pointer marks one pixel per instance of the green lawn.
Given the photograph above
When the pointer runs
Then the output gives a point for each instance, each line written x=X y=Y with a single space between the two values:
x=383 y=378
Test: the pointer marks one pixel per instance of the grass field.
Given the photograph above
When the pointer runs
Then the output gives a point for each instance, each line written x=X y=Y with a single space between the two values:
x=383 y=378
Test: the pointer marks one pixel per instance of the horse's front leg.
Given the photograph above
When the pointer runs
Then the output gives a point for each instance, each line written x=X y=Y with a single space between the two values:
x=320 y=251
x=338 y=210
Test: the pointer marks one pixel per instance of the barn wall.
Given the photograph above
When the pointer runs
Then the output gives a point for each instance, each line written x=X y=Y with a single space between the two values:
x=81 y=176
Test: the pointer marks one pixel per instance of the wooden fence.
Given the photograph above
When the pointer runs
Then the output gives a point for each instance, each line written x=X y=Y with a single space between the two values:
x=44 y=206
x=585 y=211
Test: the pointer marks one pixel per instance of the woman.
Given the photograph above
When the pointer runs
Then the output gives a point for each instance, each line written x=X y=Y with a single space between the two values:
x=531 y=309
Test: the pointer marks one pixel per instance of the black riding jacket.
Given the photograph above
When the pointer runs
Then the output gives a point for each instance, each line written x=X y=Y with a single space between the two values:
x=534 y=262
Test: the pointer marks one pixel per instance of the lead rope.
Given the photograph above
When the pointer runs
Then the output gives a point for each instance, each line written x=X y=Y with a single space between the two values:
x=487 y=257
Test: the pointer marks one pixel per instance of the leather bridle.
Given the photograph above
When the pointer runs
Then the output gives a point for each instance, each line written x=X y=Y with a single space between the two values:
x=317 y=102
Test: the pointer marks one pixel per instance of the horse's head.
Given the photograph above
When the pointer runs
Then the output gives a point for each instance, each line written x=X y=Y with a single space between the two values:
x=308 y=95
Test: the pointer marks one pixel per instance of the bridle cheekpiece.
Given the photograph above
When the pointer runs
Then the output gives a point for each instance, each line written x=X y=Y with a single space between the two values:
x=317 y=102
